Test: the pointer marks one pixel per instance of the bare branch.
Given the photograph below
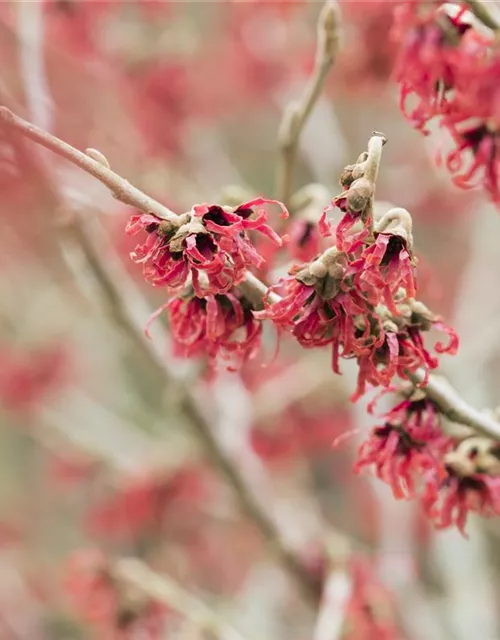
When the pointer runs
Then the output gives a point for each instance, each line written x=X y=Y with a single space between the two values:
x=162 y=588
x=337 y=592
x=297 y=113
x=451 y=404
x=482 y=14
x=120 y=188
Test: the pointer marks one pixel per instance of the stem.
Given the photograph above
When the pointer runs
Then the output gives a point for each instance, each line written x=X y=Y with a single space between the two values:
x=162 y=588
x=482 y=14
x=297 y=113
x=375 y=145
x=451 y=405
x=120 y=188
x=255 y=291
x=250 y=503
x=337 y=592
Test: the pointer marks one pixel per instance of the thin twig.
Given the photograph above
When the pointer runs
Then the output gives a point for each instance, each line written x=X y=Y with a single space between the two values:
x=297 y=113
x=451 y=404
x=250 y=503
x=337 y=592
x=375 y=145
x=164 y=589
x=482 y=14
x=120 y=188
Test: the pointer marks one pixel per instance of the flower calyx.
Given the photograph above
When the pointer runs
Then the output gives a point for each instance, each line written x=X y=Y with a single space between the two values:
x=325 y=273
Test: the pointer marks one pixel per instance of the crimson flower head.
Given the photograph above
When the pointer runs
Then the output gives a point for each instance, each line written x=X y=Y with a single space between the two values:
x=435 y=50
x=387 y=265
x=390 y=345
x=409 y=443
x=312 y=305
x=471 y=483
x=222 y=326
x=474 y=123
x=210 y=245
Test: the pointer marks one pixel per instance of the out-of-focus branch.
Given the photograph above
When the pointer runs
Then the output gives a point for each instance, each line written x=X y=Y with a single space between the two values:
x=164 y=589
x=116 y=301
x=452 y=405
x=478 y=8
x=120 y=188
x=337 y=591
x=113 y=295
x=298 y=112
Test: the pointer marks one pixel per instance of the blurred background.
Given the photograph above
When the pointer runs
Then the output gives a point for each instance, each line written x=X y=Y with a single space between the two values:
x=97 y=449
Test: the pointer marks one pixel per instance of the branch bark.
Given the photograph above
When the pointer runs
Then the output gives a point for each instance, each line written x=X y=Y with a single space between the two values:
x=297 y=113
x=120 y=188
x=451 y=405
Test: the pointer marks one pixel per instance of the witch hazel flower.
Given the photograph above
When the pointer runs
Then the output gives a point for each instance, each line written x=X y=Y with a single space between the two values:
x=470 y=484
x=438 y=44
x=212 y=240
x=474 y=124
x=222 y=327
x=387 y=265
x=388 y=345
x=312 y=305
x=408 y=444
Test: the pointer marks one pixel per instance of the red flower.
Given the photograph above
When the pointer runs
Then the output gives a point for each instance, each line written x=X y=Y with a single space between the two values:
x=389 y=345
x=222 y=326
x=323 y=303
x=435 y=51
x=471 y=484
x=409 y=443
x=449 y=502
x=383 y=268
x=210 y=244
x=474 y=123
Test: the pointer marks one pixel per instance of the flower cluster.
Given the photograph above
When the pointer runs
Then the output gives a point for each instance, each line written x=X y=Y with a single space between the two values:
x=470 y=484
x=201 y=257
x=222 y=327
x=410 y=452
x=359 y=295
x=408 y=444
x=114 y=609
x=448 y=66
x=210 y=245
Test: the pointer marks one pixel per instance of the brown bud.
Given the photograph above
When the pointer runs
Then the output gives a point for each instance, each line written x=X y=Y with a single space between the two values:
x=397 y=222
x=474 y=455
x=98 y=157
x=329 y=32
x=359 y=195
